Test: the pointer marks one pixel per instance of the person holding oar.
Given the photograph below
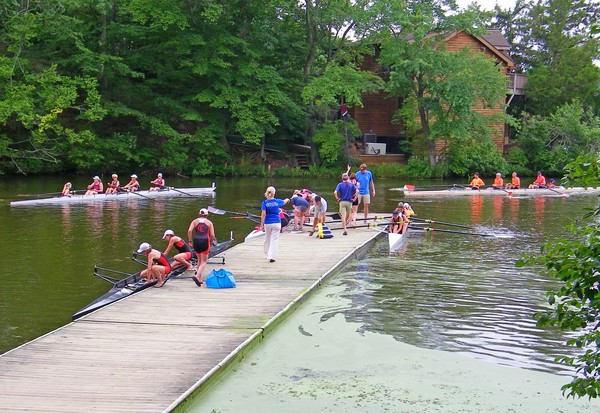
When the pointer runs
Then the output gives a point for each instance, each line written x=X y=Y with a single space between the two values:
x=515 y=182
x=95 y=187
x=540 y=181
x=113 y=186
x=476 y=183
x=498 y=181
x=66 y=191
x=158 y=183
x=133 y=185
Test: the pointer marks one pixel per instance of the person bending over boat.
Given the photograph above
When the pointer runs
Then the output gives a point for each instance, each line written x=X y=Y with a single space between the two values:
x=113 y=186
x=515 y=182
x=498 y=181
x=95 y=187
x=66 y=191
x=540 y=181
x=133 y=185
x=320 y=213
x=158 y=265
x=158 y=183
x=185 y=251
x=270 y=222
x=300 y=205
x=476 y=182
x=201 y=233
x=399 y=221
x=345 y=192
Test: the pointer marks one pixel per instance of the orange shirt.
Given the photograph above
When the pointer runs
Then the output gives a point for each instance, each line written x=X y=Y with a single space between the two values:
x=541 y=181
x=516 y=181
x=477 y=182
x=498 y=182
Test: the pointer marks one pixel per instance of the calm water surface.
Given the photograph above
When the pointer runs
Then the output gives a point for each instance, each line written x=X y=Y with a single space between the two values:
x=442 y=290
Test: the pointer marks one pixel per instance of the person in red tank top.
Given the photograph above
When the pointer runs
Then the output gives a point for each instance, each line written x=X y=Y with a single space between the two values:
x=184 y=255
x=158 y=183
x=201 y=233
x=158 y=265
x=95 y=187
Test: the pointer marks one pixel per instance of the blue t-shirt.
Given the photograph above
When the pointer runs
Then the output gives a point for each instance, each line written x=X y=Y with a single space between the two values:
x=272 y=207
x=298 y=201
x=345 y=191
x=364 y=179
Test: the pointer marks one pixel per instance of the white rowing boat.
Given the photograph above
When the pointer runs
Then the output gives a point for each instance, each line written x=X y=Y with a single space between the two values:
x=460 y=191
x=396 y=240
x=120 y=196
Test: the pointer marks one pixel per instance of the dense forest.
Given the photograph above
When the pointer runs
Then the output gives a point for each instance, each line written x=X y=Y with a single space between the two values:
x=146 y=85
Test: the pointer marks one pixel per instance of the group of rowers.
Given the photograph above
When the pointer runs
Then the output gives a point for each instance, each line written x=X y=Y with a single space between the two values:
x=540 y=182
x=201 y=234
x=114 y=186
x=400 y=218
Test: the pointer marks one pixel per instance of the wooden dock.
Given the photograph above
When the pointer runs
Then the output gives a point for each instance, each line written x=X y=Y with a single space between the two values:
x=152 y=351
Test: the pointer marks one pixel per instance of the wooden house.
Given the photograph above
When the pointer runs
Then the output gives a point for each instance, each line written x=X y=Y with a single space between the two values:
x=375 y=119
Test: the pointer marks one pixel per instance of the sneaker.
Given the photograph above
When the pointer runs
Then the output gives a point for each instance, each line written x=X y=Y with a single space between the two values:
x=345 y=233
x=271 y=260
x=310 y=234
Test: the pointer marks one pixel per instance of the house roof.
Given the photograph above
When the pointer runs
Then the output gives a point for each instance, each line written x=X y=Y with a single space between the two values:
x=496 y=39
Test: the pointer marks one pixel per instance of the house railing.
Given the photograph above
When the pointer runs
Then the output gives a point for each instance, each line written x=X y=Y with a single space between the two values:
x=516 y=84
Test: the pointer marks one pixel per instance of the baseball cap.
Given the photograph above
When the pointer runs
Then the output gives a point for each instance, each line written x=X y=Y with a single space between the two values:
x=203 y=211
x=160 y=175
x=144 y=246
x=345 y=176
x=115 y=175
x=134 y=176
x=69 y=184
x=97 y=177
x=167 y=233
x=395 y=213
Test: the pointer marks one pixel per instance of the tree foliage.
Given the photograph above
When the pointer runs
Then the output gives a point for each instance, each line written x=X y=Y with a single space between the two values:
x=576 y=304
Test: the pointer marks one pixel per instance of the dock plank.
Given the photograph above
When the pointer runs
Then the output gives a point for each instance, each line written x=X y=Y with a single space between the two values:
x=144 y=352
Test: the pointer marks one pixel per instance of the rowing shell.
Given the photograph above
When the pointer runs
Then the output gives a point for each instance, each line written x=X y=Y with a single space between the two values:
x=396 y=240
x=119 y=196
x=459 y=191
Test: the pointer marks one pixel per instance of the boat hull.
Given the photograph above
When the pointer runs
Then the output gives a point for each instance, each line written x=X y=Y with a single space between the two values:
x=120 y=196
x=558 y=191
x=395 y=241
x=134 y=284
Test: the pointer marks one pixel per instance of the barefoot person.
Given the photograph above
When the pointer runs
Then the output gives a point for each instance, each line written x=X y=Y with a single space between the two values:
x=201 y=233
x=158 y=265
x=540 y=181
x=158 y=183
x=66 y=191
x=95 y=187
x=113 y=186
x=476 y=182
x=270 y=222
x=515 y=182
x=132 y=185
x=184 y=255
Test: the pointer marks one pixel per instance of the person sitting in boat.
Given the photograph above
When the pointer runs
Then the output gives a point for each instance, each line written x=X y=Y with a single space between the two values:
x=158 y=266
x=551 y=184
x=476 y=182
x=66 y=191
x=158 y=183
x=185 y=251
x=408 y=210
x=95 y=187
x=540 y=181
x=498 y=181
x=399 y=221
x=515 y=182
x=113 y=186
x=133 y=185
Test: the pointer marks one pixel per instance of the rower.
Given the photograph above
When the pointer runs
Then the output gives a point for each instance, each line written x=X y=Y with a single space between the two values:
x=399 y=221
x=95 y=187
x=66 y=191
x=540 y=181
x=113 y=186
x=133 y=185
x=476 y=182
x=498 y=181
x=185 y=251
x=158 y=265
x=158 y=183
x=515 y=182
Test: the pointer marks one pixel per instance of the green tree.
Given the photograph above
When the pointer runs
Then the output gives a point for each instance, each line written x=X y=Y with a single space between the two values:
x=439 y=88
x=576 y=304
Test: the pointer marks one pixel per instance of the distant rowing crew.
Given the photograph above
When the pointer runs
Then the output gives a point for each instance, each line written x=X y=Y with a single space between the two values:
x=114 y=186
x=540 y=182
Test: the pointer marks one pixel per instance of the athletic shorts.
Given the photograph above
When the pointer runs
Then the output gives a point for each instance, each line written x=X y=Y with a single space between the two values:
x=301 y=208
x=364 y=199
x=201 y=245
x=187 y=256
x=345 y=207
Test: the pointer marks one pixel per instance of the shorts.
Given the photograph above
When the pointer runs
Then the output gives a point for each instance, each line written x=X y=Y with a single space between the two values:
x=319 y=214
x=301 y=208
x=345 y=207
x=364 y=199
x=201 y=245
x=187 y=256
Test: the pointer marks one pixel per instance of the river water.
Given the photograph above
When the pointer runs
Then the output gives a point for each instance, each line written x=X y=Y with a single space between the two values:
x=442 y=291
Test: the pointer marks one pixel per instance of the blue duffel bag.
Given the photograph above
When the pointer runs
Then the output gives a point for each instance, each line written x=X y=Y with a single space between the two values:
x=220 y=278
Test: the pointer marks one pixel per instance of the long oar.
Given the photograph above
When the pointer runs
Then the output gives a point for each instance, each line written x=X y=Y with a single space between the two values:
x=218 y=211
x=431 y=221
x=136 y=192
x=429 y=229
x=181 y=192
x=39 y=195
x=410 y=187
x=558 y=192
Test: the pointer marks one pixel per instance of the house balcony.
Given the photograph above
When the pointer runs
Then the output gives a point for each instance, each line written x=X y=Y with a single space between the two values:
x=516 y=84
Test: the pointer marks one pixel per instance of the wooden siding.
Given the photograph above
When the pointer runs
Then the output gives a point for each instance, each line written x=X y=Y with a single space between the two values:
x=376 y=116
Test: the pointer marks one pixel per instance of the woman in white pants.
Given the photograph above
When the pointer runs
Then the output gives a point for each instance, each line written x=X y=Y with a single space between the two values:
x=270 y=222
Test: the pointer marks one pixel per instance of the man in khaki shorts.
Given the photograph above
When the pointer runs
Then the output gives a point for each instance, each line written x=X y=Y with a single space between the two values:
x=344 y=193
x=366 y=187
